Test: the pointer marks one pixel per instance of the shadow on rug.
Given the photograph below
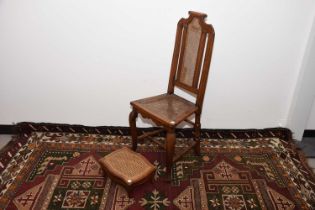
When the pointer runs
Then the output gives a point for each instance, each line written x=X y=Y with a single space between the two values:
x=252 y=169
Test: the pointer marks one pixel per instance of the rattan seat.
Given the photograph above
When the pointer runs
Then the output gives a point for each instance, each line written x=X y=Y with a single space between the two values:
x=127 y=167
x=167 y=108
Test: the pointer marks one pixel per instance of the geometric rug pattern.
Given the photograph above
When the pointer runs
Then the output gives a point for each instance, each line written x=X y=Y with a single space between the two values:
x=59 y=170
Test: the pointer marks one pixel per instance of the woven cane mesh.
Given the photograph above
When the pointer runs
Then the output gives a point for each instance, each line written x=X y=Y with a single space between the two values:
x=190 y=53
x=127 y=165
x=171 y=108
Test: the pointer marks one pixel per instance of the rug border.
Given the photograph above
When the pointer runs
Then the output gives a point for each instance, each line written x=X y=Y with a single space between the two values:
x=29 y=127
x=25 y=129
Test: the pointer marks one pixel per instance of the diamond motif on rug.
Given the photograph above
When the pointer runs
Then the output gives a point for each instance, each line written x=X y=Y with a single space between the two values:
x=38 y=196
x=234 y=202
x=279 y=201
x=87 y=167
x=224 y=171
x=122 y=200
x=75 y=199
x=185 y=200
x=28 y=198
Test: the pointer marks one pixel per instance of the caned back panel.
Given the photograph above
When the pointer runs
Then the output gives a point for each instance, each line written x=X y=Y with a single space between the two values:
x=192 y=56
x=193 y=39
x=187 y=67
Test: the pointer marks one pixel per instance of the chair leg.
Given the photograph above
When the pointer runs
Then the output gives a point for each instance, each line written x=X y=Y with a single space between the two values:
x=170 y=147
x=133 y=128
x=197 y=128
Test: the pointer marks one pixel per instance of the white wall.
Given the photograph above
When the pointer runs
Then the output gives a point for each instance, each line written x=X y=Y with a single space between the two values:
x=311 y=119
x=304 y=92
x=82 y=61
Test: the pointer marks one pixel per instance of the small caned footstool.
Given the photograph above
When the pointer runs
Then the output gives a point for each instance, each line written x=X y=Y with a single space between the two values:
x=127 y=168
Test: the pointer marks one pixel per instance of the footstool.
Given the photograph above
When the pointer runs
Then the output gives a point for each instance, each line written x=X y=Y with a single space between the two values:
x=127 y=168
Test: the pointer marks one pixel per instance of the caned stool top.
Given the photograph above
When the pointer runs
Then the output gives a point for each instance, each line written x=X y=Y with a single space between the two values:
x=127 y=165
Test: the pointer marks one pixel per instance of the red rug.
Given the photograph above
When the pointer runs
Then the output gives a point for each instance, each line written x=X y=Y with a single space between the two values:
x=61 y=171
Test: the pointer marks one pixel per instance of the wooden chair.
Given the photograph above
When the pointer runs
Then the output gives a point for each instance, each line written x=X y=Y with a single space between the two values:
x=189 y=71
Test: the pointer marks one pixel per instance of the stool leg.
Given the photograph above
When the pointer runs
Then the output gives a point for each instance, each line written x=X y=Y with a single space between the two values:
x=129 y=191
x=133 y=128
x=170 y=147
x=197 y=128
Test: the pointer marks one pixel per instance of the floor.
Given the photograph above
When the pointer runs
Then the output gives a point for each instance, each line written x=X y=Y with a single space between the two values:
x=307 y=145
x=4 y=139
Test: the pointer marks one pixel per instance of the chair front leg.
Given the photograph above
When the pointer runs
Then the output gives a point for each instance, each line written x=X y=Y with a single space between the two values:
x=197 y=128
x=133 y=128
x=170 y=147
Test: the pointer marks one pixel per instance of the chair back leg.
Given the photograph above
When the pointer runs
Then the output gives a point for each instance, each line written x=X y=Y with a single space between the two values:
x=197 y=128
x=133 y=128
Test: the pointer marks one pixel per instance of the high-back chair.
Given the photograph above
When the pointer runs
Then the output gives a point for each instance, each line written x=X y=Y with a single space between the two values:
x=189 y=71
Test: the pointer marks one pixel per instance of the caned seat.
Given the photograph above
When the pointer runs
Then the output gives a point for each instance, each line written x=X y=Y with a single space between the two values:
x=168 y=109
x=189 y=71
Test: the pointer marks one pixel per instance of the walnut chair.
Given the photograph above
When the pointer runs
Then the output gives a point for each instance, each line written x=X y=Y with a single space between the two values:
x=189 y=71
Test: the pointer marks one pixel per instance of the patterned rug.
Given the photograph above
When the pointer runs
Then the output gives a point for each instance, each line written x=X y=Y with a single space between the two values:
x=250 y=170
